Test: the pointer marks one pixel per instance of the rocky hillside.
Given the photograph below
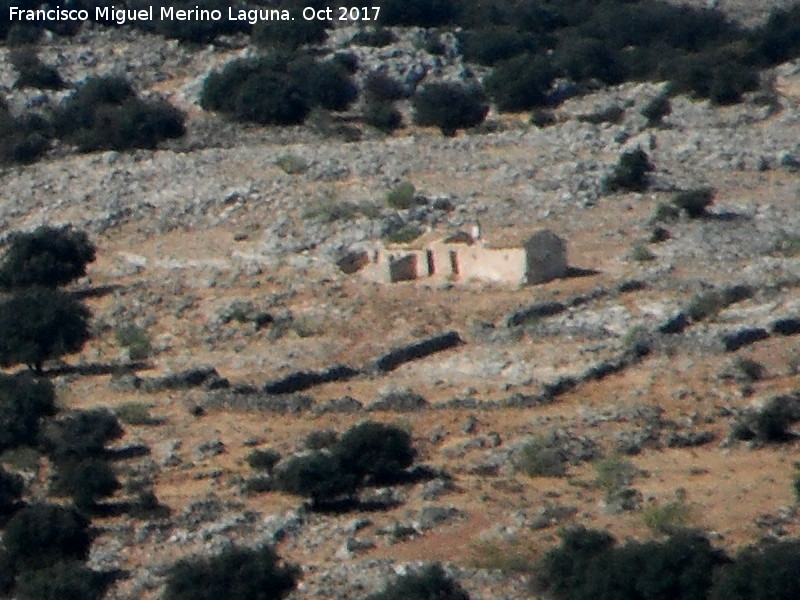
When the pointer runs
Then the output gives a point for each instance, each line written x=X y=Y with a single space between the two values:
x=654 y=359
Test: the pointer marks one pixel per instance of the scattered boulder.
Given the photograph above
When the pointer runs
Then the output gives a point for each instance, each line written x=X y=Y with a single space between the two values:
x=277 y=528
x=632 y=442
x=201 y=510
x=353 y=546
x=399 y=400
x=345 y=405
x=688 y=439
x=431 y=516
x=622 y=500
x=210 y=449
x=550 y=515
x=436 y=488
x=205 y=376
x=124 y=382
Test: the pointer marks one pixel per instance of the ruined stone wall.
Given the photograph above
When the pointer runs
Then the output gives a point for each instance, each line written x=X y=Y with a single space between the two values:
x=489 y=264
x=546 y=257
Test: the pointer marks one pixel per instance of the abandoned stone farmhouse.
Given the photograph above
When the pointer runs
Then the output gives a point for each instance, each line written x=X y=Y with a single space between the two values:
x=464 y=257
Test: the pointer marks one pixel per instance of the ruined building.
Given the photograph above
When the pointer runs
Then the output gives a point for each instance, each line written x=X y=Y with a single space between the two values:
x=463 y=256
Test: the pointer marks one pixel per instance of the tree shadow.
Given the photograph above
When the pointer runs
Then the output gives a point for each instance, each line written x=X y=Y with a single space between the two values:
x=95 y=292
x=136 y=510
x=97 y=369
x=726 y=216
x=127 y=452
x=343 y=506
x=416 y=474
x=573 y=272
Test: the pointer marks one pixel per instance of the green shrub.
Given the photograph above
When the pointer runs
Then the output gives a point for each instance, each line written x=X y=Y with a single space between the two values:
x=40 y=324
x=587 y=58
x=433 y=44
x=11 y=488
x=521 y=83
x=563 y=570
x=667 y=518
x=768 y=572
x=85 y=480
x=543 y=118
x=195 y=31
x=291 y=164
x=513 y=556
x=104 y=113
x=375 y=453
x=24 y=401
x=491 y=45
x=81 y=434
x=796 y=486
x=259 y=485
x=24 y=139
x=771 y=423
x=278 y=88
x=401 y=196
x=450 y=107
x=21 y=458
x=135 y=340
x=135 y=413
x=258 y=90
x=326 y=84
x=263 y=460
x=383 y=116
x=788 y=245
x=611 y=114
x=319 y=476
x=537 y=458
x=589 y=566
x=749 y=369
x=41 y=535
x=705 y=305
x=291 y=34
x=21 y=34
x=664 y=212
x=630 y=173
x=330 y=212
x=694 y=202
x=321 y=439
x=32 y=72
x=718 y=75
x=66 y=580
x=382 y=87
x=404 y=235
x=640 y=253
x=429 y=583
x=777 y=40
x=376 y=37
x=419 y=13
x=656 y=109
x=242 y=573
x=527 y=17
x=47 y=256
x=347 y=61
x=636 y=337
x=614 y=473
